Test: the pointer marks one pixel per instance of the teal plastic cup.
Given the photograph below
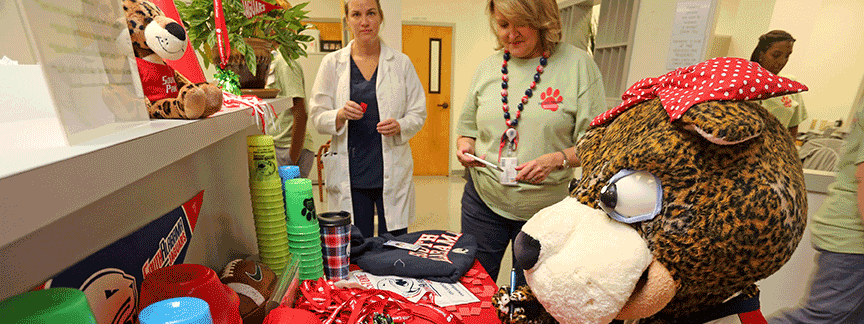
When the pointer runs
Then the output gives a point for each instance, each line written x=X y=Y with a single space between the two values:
x=48 y=306
x=180 y=310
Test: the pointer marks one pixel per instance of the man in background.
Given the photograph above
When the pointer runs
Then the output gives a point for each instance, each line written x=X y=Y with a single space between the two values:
x=293 y=144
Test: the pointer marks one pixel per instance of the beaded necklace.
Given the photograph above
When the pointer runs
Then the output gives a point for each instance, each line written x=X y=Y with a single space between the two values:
x=511 y=136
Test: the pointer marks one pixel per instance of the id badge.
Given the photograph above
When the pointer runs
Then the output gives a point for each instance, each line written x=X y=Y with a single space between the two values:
x=508 y=176
x=402 y=245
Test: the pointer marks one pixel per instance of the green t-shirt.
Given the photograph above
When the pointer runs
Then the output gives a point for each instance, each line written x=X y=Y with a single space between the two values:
x=837 y=225
x=569 y=94
x=789 y=109
x=289 y=80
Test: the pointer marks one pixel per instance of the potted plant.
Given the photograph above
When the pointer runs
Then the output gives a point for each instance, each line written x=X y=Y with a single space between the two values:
x=251 y=39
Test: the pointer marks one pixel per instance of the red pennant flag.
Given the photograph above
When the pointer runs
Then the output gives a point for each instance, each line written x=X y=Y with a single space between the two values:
x=252 y=8
x=221 y=33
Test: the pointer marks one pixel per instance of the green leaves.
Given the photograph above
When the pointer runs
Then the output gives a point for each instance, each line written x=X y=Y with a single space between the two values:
x=281 y=26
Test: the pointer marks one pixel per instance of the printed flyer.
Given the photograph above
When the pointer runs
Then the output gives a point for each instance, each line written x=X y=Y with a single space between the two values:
x=446 y=294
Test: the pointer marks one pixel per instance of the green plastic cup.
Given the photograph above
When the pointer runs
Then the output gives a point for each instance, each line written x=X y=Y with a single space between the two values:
x=304 y=240
x=304 y=245
x=304 y=236
x=48 y=306
x=262 y=158
x=270 y=190
x=305 y=228
x=265 y=227
x=268 y=218
x=311 y=274
x=299 y=202
x=306 y=256
x=269 y=226
x=269 y=198
x=313 y=261
x=270 y=210
x=265 y=205
x=273 y=252
x=268 y=215
x=312 y=267
x=272 y=238
x=271 y=233
x=307 y=253
x=268 y=203
x=265 y=186
x=272 y=264
x=276 y=254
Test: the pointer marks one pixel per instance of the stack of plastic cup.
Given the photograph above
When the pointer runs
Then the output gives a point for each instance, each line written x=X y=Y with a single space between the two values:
x=304 y=234
x=268 y=202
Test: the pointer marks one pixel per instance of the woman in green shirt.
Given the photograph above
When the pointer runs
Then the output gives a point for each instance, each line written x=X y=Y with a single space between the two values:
x=547 y=93
x=772 y=53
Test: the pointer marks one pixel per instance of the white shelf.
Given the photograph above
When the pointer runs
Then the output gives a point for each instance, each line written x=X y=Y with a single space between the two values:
x=42 y=185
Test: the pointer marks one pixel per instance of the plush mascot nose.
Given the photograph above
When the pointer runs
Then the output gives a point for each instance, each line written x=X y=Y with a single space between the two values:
x=176 y=30
x=526 y=250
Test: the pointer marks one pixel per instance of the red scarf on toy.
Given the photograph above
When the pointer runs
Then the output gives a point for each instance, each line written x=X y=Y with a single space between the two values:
x=722 y=78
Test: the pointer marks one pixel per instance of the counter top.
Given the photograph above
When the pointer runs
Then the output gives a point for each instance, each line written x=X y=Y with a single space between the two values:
x=43 y=184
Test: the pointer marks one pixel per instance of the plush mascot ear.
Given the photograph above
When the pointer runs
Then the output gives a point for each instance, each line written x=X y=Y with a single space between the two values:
x=724 y=122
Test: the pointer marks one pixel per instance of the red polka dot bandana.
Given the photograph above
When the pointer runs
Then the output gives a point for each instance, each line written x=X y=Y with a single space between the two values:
x=722 y=78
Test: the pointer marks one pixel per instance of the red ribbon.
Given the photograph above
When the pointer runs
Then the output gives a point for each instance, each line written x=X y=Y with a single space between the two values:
x=221 y=34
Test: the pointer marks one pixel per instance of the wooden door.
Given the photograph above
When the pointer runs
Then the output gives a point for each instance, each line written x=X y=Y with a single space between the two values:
x=430 y=147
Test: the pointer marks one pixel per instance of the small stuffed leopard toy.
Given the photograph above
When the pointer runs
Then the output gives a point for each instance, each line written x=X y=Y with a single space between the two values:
x=156 y=37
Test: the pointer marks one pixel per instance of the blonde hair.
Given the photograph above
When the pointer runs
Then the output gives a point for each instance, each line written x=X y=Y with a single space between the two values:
x=542 y=15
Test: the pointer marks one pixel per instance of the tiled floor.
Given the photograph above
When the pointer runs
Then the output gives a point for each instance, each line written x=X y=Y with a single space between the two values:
x=438 y=207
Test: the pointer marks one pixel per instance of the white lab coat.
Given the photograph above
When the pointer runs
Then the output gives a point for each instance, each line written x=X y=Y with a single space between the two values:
x=400 y=96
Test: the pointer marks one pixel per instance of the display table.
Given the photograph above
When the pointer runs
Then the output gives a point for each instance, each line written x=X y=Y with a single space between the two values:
x=483 y=286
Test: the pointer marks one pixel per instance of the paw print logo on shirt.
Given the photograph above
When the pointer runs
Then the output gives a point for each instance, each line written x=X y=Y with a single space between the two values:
x=787 y=101
x=550 y=99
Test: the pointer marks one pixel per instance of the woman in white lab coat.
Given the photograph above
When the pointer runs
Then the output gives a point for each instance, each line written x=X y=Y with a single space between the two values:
x=369 y=98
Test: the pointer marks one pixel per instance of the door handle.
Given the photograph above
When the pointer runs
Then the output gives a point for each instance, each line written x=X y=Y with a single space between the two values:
x=444 y=105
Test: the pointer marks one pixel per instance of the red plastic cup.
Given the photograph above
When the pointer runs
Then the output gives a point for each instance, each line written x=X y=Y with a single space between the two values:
x=192 y=280
x=284 y=314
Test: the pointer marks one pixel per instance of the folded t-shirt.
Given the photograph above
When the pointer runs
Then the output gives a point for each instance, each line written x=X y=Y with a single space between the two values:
x=443 y=256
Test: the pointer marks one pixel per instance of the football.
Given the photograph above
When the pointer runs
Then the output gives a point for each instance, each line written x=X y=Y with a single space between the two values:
x=254 y=283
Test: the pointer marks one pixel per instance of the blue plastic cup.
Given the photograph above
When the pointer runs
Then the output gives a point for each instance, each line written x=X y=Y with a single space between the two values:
x=288 y=172
x=180 y=310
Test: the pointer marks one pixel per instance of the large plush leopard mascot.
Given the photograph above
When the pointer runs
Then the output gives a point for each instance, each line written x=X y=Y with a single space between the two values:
x=169 y=94
x=690 y=193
